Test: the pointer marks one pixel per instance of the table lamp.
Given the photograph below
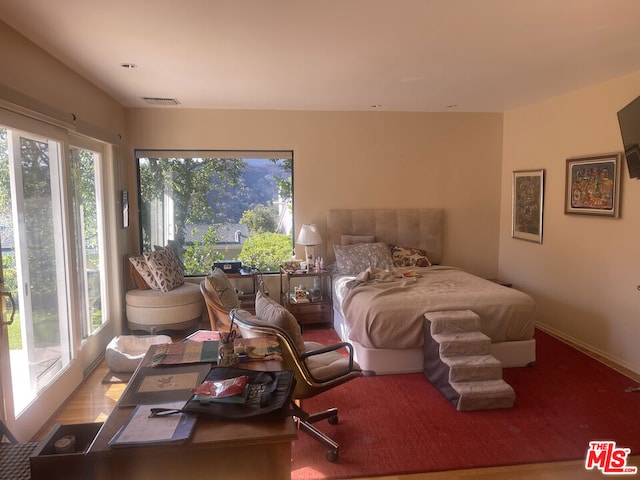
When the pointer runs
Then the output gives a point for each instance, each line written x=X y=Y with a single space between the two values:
x=309 y=236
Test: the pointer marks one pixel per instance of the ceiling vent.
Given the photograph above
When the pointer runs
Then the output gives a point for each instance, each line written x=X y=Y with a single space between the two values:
x=161 y=101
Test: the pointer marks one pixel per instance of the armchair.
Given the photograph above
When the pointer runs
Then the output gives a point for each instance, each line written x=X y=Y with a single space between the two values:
x=316 y=367
x=220 y=297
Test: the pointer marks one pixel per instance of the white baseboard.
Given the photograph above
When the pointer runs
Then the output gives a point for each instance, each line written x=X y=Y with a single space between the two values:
x=603 y=357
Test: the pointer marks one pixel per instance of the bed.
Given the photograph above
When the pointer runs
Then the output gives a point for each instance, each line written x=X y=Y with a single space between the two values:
x=380 y=307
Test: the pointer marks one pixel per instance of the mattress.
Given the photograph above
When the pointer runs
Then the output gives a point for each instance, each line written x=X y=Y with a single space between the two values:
x=390 y=314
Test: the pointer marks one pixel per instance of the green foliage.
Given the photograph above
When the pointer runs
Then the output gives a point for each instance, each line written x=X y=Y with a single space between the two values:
x=200 y=256
x=83 y=179
x=15 y=332
x=9 y=272
x=261 y=219
x=188 y=182
x=285 y=184
x=5 y=186
x=266 y=251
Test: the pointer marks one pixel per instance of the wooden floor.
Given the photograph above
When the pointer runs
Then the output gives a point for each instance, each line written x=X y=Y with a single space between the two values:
x=93 y=401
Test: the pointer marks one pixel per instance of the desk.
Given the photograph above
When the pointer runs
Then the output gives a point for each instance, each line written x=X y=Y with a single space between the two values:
x=217 y=449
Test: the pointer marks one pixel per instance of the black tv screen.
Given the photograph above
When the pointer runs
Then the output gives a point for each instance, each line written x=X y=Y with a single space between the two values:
x=629 y=120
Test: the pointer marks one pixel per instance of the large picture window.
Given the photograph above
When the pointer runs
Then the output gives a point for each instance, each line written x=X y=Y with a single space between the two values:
x=212 y=206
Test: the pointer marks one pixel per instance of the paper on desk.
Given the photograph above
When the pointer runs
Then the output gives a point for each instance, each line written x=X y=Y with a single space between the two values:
x=143 y=429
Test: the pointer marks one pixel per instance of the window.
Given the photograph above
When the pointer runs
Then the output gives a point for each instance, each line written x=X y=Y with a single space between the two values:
x=89 y=237
x=217 y=205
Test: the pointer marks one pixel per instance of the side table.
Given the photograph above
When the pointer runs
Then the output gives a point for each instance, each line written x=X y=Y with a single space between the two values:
x=316 y=307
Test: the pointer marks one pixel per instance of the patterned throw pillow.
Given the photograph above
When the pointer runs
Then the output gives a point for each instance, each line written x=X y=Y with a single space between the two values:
x=356 y=258
x=165 y=268
x=218 y=282
x=141 y=267
x=270 y=311
x=409 y=257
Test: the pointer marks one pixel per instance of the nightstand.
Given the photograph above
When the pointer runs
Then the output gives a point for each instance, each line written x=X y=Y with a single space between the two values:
x=246 y=296
x=316 y=304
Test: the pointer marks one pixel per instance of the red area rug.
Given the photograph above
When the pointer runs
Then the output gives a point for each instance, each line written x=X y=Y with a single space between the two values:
x=400 y=424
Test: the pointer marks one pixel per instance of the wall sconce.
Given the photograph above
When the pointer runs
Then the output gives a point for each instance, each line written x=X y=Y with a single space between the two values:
x=309 y=236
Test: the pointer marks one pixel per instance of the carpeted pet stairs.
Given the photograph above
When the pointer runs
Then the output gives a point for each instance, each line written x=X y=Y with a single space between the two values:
x=457 y=361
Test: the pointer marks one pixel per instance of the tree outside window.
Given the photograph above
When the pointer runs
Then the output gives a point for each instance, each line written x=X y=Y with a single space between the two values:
x=217 y=205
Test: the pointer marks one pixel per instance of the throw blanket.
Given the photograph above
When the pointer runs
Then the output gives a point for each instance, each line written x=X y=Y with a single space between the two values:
x=371 y=275
x=390 y=314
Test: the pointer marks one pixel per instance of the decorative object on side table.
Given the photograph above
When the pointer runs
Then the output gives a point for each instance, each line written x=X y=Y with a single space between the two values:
x=593 y=185
x=309 y=236
x=307 y=295
x=527 y=205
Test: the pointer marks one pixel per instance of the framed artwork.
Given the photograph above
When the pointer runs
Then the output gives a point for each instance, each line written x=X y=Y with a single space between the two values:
x=163 y=384
x=527 y=205
x=593 y=185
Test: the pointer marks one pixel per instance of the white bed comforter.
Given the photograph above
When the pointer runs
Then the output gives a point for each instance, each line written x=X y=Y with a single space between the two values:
x=390 y=314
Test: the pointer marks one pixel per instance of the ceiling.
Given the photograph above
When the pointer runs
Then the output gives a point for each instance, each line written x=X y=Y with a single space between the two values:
x=390 y=55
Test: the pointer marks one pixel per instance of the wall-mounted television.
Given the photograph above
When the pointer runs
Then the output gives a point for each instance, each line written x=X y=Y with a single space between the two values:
x=629 y=120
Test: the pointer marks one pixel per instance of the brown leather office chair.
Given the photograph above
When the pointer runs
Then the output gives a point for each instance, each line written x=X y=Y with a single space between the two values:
x=317 y=368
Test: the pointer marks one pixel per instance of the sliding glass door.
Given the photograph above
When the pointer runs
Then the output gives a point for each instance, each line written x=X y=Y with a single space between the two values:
x=53 y=271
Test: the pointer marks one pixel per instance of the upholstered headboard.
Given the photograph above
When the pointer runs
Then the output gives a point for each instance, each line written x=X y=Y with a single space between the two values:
x=406 y=227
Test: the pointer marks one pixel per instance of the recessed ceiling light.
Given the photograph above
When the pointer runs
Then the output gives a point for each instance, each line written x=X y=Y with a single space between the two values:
x=128 y=65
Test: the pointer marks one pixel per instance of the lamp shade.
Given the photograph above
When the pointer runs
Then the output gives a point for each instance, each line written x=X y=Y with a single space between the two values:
x=309 y=235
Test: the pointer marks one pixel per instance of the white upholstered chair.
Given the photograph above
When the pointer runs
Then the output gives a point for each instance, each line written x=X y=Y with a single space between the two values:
x=155 y=311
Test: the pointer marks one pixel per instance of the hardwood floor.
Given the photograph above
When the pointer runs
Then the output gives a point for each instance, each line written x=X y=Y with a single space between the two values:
x=93 y=401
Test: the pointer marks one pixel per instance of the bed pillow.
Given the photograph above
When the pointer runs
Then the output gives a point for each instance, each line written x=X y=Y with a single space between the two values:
x=270 y=311
x=165 y=268
x=143 y=272
x=218 y=282
x=409 y=257
x=352 y=239
x=356 y=258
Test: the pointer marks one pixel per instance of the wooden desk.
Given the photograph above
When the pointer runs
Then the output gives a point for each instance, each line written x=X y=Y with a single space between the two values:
x=218 y=449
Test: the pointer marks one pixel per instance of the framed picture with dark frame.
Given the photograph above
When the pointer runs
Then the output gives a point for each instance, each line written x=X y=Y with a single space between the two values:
x=593 y=185
x=527 y=205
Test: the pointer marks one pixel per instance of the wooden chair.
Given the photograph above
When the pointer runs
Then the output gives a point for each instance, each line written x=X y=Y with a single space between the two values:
x=317 y=368
x=219 y=314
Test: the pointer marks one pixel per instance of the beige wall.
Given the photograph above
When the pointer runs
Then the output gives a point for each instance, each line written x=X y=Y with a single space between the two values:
x=585 y=273
x=364 y=160
x=33 y=72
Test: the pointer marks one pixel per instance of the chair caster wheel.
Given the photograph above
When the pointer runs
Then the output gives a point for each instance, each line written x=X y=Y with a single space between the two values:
x=332 y=455
x=333 y=420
